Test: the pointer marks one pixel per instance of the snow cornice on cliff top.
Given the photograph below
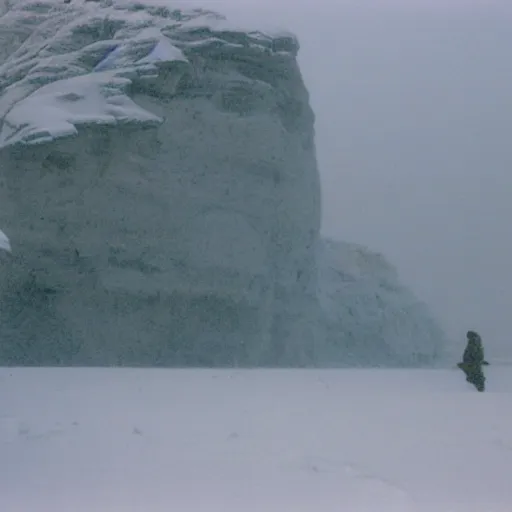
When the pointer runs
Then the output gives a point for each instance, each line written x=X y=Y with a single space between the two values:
x=65 y=65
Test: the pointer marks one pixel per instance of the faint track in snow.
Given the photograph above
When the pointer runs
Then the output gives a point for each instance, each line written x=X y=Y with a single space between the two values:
x=381 y=485
x=384 y=489
x=12 y=429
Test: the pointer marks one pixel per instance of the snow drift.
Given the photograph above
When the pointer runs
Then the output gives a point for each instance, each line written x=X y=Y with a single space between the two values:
x=160 y=191
x=5 y=244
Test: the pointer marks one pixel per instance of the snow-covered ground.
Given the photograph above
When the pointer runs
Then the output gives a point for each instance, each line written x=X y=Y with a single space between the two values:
x=148 y=440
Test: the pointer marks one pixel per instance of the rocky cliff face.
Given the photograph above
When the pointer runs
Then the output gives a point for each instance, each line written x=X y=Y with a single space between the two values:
x=160 y=192
x=159 y=188
x=371 y=318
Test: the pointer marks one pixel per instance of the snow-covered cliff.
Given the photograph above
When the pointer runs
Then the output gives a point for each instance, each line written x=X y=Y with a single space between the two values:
x=371 y=317
x=160 y=192
x=160 y=187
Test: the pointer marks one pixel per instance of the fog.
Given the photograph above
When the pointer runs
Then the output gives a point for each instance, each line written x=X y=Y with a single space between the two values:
x=414 y=115
x=413 y=122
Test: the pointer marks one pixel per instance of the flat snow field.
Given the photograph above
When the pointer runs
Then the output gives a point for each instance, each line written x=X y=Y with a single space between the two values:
x=105 y=440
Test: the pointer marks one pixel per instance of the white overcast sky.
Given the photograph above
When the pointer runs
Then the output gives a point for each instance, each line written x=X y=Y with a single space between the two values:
x=413 y=100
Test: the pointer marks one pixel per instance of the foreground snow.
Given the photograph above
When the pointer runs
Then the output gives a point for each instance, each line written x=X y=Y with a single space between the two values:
x=246 y=440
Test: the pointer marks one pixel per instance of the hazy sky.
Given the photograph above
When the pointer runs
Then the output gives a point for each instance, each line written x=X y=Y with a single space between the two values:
x=414 y=120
